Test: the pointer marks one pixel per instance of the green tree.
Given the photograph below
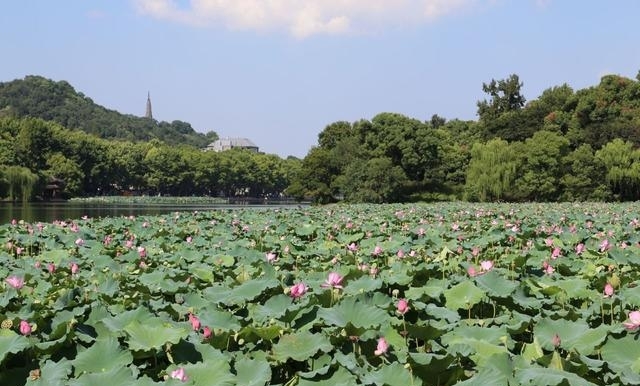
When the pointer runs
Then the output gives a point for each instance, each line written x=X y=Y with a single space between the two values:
x=61 y=167
x=542 y=167
x=584 y=178
x=492 y=170
x=377 y=180
x=622 y=164
x=505 y=96
x=21 y=182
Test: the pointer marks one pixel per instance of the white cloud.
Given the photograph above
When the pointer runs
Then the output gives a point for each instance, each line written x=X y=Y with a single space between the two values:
x=301 y=18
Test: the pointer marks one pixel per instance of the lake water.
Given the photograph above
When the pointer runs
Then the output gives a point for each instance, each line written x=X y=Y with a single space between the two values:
x=50 y=211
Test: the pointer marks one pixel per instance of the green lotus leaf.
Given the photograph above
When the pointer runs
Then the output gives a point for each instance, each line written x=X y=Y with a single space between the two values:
x=56 y=256
x=480 y=343
x=364 y=284
x=108 y=286
x=275 y=307
x=463 y=295
x=203 y=273
x=251 y=333
x=497 y=371
x=354 y=312
x=224 y=260
x=104 y=355
x=221 y=319
x=11 y=343
x=574 y=335
x=153 y=279
x=394 y=374
x=543 y=376
x=239 y=295
x=252 y=372
x=630 y=294
x=118 y=322
x=339 y=377
x=495 y=284
x=433 y=289
x=622 y=354
x=116 y=376
x=152 y=335
x=56 y=373
x=300 y=346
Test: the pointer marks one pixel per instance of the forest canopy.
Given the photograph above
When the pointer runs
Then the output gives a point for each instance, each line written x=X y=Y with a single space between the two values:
x=565 y=145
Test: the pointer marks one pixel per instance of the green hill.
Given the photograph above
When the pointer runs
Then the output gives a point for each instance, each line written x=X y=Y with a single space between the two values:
x=38 y=97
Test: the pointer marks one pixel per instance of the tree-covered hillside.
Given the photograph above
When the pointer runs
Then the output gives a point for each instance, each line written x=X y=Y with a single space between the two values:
x=38 y=97
x=564 y=145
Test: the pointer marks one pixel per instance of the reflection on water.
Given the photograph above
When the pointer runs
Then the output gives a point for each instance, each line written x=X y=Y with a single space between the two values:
x=51 y=211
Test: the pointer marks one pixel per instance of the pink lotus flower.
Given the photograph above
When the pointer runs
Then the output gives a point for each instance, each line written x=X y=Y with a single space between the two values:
x=471 y=270
x=377 y=250
x=403 y=306
x=195 y=322
x=579 y=248
x=382 y=347
x=547 y=268
x=634 y=321
x=25 y=327
x=608 y=290
x=400 y=254
x=79 y=242
x=271 y=257
x=548 y=242
x=605 y=245
x=556 y=341
x=352 y=247
x=206 y=332
x=555 y=253
x=51 y=267
x=334 y=280
x=18 y=250
x=15 y=281
x=189 y=239
x=486 y=265
x=128 y=244
x=179 y=374
x=142 y=252
x=74 y=268
x=475 y=251
x=297 y=290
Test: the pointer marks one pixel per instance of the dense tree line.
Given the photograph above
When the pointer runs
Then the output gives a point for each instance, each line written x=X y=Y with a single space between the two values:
x=38 y=97
x=35 y=153
x=565 y=145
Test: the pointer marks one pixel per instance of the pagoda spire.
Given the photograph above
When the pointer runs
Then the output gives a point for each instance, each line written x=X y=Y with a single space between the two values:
x=148 y=114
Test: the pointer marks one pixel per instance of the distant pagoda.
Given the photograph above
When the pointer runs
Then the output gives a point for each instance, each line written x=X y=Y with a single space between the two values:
x=148 y=114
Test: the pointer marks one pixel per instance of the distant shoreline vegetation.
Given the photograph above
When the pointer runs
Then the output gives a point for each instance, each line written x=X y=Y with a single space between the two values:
x=565 y=145
x=184 y=200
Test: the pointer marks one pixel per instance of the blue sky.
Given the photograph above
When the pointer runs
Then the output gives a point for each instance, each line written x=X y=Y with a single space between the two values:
x=279 y=71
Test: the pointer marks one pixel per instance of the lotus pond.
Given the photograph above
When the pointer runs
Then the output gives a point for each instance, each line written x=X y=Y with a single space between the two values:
x=441 y=294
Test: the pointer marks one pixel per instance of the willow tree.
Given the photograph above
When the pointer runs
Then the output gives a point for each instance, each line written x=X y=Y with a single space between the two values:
x=622 y=164
x=491 y=171
x=20 y=181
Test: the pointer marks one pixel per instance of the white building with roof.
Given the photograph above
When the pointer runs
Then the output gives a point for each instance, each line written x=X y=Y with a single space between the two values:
x=223 y=144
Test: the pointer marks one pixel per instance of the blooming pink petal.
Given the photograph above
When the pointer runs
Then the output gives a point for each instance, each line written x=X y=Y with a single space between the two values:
x=195 y=322
x=25 y=327
x=486 y=265
x=298 y=290
x=608 y=290
x=382 y=347
x=403 y=306
x=334 y=280
x=179 y=374
x=15 y=281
